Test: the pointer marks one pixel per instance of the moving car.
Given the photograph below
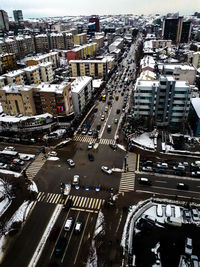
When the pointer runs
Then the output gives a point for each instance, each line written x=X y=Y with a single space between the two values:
x=85 y=130
x=144 y=181
x=116 y=121
x=90 y=145
x=109 y=128
x=182 y=186
x=90 y=157
x=71 y=162
x=68 y=224
x=68 y=204
x=147 y=168
x=60 y=246
x=188 y=246
x=9 y=148
x=54 y=233
x=118 y=111
x=78 y=227
x=90 y=132
x=102 y=117
x=106 y=170
x=76 y=179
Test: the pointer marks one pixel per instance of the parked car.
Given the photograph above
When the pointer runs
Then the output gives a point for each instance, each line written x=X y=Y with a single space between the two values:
x=90 y=132
x=118 y=111
x=187 y=214
x=15 y=168
x=90 y=157
x=162 y=165
x=144 y=181
x=24 y=157
x=52 y=154
x=9 y=148
x=84 y=131
x=147 y=168
x=160 y=170
x=90 y=145
x=3 y=165
x=18 y=161
x=188 y=246
x=71 y=162
x=106 y=170
x=195 y=214
x=113 y=146
x=194 y=261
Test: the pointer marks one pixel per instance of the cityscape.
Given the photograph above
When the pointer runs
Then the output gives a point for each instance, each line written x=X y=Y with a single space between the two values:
x=99 y=136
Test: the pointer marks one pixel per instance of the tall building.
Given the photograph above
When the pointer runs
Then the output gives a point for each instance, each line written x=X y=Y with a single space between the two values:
x=80 y=39
x=95 y=19
x=18 y=17
x=4 y=22
x=186 y=31
x=166 y=101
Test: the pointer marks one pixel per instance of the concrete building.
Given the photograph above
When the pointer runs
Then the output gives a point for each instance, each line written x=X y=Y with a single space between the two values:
x=33 y=74
x=69 y=40
x=46 y=72
x=81 y=93
x=165 y=101
x=41 y=43
x=17 y=99
x=56 y=41
x=196 y=59
x=95 y=19
x=194 y=116
x=17 y=77
x=11 y=46
x=18 y=17
x=4 y=22
x=55 y=99
x=117 y=44
x=50 y=57
x=2 y=81
x=161 y=43
x=80 y=39
x=99 y=40
x=7 y=62
x=180 y=72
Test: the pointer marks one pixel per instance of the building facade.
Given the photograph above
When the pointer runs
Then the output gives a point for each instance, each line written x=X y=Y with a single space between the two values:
x=7 y=62
x=80 y=39
x=4 y=22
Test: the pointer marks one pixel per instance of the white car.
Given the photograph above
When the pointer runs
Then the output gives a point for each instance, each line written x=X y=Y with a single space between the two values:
x=76 y=179
x=18 y=161
x=106 y=170
x=90 y=145
x=9 y=148
x=188 y=246
x=102 y=118
x=147 y=168
x=71 y=162
x=3 y=165
x=52 y=154
x=90 y=132
x=24 y=157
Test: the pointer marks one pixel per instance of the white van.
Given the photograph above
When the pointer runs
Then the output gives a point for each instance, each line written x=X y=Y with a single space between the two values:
x=159 y=210
x=168 y=211
x=68 y=224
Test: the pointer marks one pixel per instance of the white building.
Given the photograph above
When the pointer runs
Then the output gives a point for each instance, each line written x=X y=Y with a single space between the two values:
x=166 y=100
x=196 y=59
x=118 y=43
x=81 y=92
x=46 y=72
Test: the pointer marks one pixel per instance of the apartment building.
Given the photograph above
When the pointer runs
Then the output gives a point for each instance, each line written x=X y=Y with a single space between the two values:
x=21 y=47
x=117 y=44
x=81 y=93
x=161 y=43
x=82 y=52
x=80 y=39
x=69 y=40
x=166 y=100
x=49 y=57
x=41 y=43
x=33 y=74
x=56 y=41
x=196 y=59
x=55 y=99
x=2 y=81
x=17 y=76
x=94 y=68
x=180 y=72
x=99 y=40
x=46 y=72
x=7 y=62
x=11 y=46
x=17 y=99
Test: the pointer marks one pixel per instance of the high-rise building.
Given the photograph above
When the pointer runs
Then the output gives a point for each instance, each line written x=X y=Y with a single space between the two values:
x=176 y=29
x=4 y=22
x=95 y=19
x=18 y=17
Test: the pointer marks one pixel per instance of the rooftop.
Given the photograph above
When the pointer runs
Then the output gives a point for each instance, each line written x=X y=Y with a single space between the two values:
x=196 y=105
x=14 y=89
x=14 y=73
x=31 y=68
x=52 y=88
x=80 y=83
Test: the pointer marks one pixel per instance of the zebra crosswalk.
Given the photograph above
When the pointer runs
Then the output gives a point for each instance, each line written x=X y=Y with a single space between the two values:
x=35 y=166
x=88 y=139
x=127 y=182
x=78 y=201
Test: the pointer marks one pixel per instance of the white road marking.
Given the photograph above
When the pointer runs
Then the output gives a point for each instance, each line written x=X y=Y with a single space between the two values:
x=164 y=182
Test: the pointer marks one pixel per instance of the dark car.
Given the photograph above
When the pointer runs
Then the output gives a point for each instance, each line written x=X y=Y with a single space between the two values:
x=60 y=246
x=98 y=127
x=113 y=146
x=68 y=205
x=5 y=160
x=118 y=111
x=15 y=168
x=90 y=157
x=144 y=224
x=182 y=186
x=54 y=233
x=95 y=110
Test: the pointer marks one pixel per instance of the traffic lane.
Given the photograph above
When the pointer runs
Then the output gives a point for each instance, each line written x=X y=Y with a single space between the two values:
x=26 y=149
x=73 y=245
x=166 y=184
x=53 y=172
x=48 y=253
x=21 y=251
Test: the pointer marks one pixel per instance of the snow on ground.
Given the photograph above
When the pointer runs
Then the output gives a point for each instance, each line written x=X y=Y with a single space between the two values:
x=20 y=215
x=121 y=147
x=5 y=203
x=33 y=187
x=16 y=174
x=117 y=170
x=99 y=228
x=92 y=260
x=144 y=140
x=29 y=155
x=53 y=158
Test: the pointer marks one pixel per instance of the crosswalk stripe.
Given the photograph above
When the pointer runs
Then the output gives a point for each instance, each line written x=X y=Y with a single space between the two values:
x=39 y=194
x=54 y=198
x=50 y=198
x=79 y=201
x=90 y=203
x=87 y=202
x=57 y=196
x=84 y=201
x=96 y=204
x=76 y=201
x=43 y=197
x=98 y=207
x=66 y=200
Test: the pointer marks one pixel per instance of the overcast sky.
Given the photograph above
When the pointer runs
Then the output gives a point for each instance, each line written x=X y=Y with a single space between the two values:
x=45 y=8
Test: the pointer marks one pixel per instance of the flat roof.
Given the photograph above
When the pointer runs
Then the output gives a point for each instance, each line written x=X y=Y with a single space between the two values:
x=80 y=83
x=14 y=73
x=32 y=68
x=13 y=88
x=52 y=88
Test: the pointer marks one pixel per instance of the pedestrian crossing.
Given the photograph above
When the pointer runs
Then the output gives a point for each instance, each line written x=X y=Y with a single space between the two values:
x=35 y=166
x=127 y=182
x=88 y=139
x=78 y=201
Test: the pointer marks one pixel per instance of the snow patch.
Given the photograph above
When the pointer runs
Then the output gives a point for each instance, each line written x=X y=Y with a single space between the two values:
x=121 y=147
x=99 y=228
x=16 y=174
x=33 y=187
x=144 y=140
x=53 y=158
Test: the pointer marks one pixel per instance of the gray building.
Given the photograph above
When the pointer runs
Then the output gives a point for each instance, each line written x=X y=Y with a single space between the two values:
x=18 y=17
x=4 y=22
x=165 y=101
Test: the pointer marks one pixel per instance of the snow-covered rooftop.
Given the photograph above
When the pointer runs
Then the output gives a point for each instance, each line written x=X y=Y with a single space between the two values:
x=13 y=88
x=45 y=64
x=31 y=68
x=14 y=73
x=80 y=83
x=53 y=88
x=23 y=118
x=97 y=83
x=196 y=105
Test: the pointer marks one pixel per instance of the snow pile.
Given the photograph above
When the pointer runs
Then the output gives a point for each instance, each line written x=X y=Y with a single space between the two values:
x=33 y=187
x=53 y=158
x=117 y=170
x=5 y=196
x=121 y=147
x=20 y=215
x=16 y=174
x=144 y=141
x=92 y=260
x=99 y=228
